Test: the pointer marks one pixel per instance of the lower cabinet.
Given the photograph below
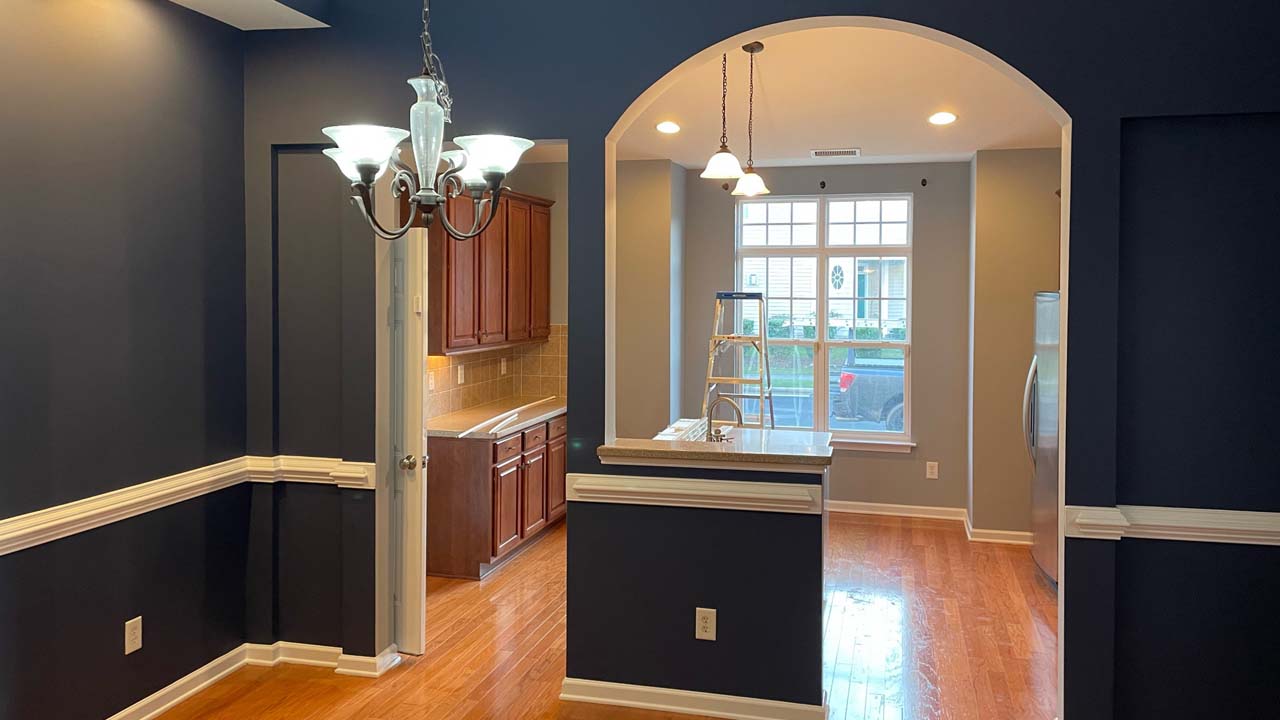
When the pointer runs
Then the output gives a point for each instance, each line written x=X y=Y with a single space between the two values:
x=486 y=498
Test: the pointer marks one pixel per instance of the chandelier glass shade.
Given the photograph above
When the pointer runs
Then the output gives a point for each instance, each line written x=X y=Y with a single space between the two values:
x=365 y=152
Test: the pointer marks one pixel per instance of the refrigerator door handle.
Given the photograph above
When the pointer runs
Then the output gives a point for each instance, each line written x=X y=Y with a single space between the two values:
x=1026 y=410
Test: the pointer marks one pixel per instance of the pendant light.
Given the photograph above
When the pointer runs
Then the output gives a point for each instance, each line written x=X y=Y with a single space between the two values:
x=751 y=184
x=723 y=165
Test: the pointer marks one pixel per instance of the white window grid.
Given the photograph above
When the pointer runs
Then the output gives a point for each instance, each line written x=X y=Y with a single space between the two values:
x=823 y=251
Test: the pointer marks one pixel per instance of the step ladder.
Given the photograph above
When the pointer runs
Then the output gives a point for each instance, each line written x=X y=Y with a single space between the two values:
x=721 y=341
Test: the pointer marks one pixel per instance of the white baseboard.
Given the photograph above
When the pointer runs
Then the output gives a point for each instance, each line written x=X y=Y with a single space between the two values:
x=365 y=666
x=165 y=698
x=1003 y=537
x=256 y=654
x=686 y=701
x=1006 y=537
x=916 y=511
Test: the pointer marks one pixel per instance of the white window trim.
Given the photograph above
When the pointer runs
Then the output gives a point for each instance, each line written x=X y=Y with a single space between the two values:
x=860 y=440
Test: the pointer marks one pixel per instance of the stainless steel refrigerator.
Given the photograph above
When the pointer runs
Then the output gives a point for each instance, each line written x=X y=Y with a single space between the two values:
x=1040 y=429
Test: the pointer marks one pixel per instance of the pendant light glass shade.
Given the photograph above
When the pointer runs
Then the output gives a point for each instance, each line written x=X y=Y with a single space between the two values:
x=365 y=144
x=347 y=167
x=493 y=153
x=750 y=184
x=723 y=165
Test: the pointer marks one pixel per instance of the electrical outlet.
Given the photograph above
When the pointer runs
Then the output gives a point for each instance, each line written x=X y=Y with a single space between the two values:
x=462 y=374
x=502 y=370
x=704 y=625
x=133 y=635
x=431 y=381
x=931 y=471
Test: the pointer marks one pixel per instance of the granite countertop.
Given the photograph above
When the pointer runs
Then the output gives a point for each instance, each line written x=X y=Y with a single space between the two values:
x=497 y=419
x=748 y=445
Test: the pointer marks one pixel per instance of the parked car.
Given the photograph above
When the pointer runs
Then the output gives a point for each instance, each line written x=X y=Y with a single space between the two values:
x=867 y=389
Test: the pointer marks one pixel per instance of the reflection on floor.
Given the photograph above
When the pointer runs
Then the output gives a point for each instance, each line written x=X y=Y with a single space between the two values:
x=921 y=625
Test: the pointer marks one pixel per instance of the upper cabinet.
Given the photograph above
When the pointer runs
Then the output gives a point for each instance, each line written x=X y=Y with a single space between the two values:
x=493 y=290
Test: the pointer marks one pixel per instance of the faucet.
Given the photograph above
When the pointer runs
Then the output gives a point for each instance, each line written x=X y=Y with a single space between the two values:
x=719 y=435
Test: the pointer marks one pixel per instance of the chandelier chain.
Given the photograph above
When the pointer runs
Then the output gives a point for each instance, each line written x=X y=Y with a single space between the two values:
x=431 y=65
x=751 y=108
x=724 y=98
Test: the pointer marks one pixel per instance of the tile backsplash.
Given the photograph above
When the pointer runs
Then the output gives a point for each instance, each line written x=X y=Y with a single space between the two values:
x=538 y=369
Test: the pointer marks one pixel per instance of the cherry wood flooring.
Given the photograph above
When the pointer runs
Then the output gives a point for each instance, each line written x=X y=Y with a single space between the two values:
x=920 y=625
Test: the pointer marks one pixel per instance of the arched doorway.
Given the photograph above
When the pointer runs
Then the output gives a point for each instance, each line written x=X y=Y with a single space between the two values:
x=663 y=84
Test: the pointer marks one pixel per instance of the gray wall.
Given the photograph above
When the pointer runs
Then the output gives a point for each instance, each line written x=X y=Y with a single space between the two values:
x=551 y=181
x=1014 y=254
x=940 y=342
x=649 y=227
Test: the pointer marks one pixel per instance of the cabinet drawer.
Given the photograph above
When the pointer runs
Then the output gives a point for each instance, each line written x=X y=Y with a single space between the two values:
x=506 y=448
x=557 y=426
x=535 y=436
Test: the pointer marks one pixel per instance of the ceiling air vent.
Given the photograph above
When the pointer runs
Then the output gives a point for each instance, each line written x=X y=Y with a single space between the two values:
x=836 y=152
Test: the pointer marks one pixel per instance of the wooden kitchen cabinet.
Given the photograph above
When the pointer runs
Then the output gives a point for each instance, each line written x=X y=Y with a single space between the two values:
x=494 y=290
x=487 y=498
x=518 y=270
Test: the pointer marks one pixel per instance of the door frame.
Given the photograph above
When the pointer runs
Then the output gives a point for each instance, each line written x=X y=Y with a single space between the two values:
x=401 y=548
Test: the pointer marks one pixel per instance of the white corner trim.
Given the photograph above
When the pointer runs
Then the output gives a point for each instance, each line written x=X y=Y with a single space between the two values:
x=916 y=511
x=1097 y=523
x=1003 y=537
x=686 y=701
x=305 y=469
x=41 y=526
x=165 y=698
x=365 y=666
x=800 y=498
x=291 y=653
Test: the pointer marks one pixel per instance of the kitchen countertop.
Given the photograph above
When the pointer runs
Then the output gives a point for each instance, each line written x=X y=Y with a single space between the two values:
x=497 y=419
x=748 y=446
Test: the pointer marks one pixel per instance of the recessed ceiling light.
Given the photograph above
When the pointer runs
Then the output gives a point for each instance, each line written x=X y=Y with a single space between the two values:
x=666 y=127
x=942 y=118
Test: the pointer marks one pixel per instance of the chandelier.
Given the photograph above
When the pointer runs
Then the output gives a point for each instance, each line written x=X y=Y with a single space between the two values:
x=366 y=152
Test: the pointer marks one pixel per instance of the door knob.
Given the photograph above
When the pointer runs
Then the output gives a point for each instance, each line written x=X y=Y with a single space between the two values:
x=408 y=462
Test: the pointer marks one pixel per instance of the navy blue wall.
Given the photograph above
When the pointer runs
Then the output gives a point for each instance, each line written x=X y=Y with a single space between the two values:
x=569 y=69
x=123 y=316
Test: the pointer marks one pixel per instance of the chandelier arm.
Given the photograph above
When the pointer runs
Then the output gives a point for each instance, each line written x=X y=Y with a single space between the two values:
x=457 y=234
x=364 y=201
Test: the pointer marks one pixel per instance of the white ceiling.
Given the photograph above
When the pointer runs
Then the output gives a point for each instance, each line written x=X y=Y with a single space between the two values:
x=253 y=14
x=844 y=87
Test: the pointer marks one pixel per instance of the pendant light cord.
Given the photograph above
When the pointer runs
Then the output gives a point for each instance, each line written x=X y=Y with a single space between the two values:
x=724 y=99
x=751 y=108
x=431 y=65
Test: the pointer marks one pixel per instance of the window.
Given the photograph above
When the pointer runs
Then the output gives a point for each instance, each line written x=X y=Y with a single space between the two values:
x=836 y=275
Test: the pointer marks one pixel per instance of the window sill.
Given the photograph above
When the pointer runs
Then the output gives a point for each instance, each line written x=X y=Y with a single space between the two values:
x=882 y=446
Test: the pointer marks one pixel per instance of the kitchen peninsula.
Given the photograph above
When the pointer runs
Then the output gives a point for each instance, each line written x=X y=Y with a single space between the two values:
x=673 y=528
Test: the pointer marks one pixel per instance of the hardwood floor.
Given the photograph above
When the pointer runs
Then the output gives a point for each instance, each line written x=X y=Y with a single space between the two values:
x=920 y=625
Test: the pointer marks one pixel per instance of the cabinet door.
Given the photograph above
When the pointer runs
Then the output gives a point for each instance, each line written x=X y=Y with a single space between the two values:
x=540 y=271
x=517 y=270
x=492 y=273
x=506 y=507
x=462 y=327
x=556 y=456
x=534 y=479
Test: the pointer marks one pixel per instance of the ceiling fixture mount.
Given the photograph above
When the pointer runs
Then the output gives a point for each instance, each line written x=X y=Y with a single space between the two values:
x=751 y=184
x=366 y=152
x=942 y=118
x=667 y=127
x=723 y=165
